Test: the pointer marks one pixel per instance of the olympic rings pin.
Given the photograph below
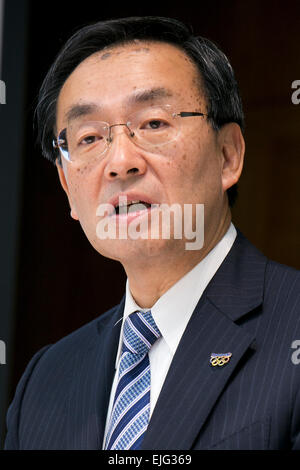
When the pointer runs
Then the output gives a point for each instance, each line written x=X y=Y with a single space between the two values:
x=220 y=359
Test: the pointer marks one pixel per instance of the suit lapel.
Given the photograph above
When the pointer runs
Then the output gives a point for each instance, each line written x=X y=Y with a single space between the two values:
x=192 y=386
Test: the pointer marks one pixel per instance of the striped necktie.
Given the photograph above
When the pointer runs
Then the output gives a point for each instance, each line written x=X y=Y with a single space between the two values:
x=130 y=413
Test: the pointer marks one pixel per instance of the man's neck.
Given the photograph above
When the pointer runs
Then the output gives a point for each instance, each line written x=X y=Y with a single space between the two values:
x=150 y=280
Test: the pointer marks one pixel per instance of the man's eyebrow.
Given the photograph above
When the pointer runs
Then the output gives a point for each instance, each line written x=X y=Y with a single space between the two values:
x=141 y=96
x=78 y=110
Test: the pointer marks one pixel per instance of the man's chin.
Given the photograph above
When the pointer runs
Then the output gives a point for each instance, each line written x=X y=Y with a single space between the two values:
x=139 y=250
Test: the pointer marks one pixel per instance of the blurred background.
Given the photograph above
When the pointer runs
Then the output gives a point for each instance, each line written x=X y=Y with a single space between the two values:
x=52 y=280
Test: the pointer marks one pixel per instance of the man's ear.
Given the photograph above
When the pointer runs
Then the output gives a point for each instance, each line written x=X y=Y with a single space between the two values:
x=64 y=184
x=233 y=150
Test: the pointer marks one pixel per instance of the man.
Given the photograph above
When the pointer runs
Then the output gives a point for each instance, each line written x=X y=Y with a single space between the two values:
x=139 y=115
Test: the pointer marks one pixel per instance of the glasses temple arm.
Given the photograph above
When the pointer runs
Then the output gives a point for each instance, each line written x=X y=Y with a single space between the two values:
x=190 y=114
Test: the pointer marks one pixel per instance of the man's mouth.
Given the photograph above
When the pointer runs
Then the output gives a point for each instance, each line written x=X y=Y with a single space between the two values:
x=131 y=206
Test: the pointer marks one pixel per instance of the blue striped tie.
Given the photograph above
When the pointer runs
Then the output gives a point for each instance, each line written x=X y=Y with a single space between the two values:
x=130 y=413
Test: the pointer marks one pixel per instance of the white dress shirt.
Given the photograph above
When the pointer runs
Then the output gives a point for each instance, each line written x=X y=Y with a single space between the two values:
x=171 y=314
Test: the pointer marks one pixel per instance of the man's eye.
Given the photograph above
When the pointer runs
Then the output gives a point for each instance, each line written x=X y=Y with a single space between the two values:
x=155 y=124
x=90 y=139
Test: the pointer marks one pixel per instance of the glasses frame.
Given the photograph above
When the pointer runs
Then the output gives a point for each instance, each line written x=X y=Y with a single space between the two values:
x=59 y=141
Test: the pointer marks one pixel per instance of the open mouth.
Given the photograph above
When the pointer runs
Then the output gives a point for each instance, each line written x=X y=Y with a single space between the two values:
x=132 y=206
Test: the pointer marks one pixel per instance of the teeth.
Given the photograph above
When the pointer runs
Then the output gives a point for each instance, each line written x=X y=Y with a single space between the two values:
x=131 y=206
x=128 y=203
x=136 y=207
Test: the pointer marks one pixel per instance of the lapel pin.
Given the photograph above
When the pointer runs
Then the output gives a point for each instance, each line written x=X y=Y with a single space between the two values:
x=220 y=359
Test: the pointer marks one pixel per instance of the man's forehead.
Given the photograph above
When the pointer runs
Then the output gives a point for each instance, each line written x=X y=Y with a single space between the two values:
x=139 y=49
x=103 y=60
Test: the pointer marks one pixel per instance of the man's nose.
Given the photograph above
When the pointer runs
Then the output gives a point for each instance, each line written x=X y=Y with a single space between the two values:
x=124 y=157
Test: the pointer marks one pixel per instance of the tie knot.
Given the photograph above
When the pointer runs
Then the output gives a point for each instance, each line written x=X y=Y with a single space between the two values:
x=140 y=333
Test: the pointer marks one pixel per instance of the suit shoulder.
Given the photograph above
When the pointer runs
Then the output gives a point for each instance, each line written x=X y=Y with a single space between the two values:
x=85 y=336
x=280 y=272
x=49 y=374
x=282 y=291
x=58 y=358
x=61 y=353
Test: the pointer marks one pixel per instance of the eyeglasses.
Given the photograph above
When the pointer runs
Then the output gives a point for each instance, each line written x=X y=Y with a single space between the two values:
x=151 y=128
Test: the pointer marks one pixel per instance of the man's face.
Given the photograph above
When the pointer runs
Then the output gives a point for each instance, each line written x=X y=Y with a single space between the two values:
x=122 y=80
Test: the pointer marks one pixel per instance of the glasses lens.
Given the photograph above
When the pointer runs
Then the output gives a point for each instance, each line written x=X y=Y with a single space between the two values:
x=154 y=126
x=83 y=141
x=150 y=128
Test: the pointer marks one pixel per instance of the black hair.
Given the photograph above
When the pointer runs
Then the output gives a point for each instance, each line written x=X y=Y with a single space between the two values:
x=220 y=86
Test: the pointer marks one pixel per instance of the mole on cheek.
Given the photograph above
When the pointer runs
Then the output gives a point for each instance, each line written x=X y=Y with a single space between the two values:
x=81 y=170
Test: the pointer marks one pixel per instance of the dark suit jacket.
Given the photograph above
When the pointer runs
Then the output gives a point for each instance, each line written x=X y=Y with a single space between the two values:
x=250 y=308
